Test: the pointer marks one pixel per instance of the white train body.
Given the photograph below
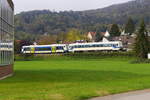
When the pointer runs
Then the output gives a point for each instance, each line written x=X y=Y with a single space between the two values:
x=96 y=46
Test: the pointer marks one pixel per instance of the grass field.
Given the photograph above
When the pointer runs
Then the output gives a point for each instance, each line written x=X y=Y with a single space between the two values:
x=73 y=79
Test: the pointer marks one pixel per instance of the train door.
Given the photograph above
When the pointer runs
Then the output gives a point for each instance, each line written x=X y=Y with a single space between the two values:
x=53 y=49
x=32 y=50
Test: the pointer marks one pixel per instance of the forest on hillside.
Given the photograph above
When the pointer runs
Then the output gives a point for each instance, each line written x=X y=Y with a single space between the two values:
x=34 y=24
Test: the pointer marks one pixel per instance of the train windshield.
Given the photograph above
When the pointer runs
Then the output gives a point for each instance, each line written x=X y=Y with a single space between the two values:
x=27 y=49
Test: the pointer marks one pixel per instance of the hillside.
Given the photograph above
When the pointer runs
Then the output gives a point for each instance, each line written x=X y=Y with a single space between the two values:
x=118 y=13
x=45 y=21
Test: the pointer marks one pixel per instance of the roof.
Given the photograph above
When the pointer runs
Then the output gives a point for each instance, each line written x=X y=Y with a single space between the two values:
x=92 y=33
x=11 y=4
x=107 y=34
x=103 y=33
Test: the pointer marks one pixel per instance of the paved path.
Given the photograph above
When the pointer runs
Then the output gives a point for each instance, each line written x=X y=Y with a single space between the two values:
x=137 y=95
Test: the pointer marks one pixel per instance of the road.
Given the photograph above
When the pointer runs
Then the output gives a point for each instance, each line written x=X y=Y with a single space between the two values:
x=137 y=95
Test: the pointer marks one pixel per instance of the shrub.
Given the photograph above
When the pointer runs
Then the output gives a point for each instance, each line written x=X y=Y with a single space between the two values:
x=140 y=61
x=101 y=54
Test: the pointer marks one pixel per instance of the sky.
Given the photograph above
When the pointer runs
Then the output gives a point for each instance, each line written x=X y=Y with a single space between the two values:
x=62 y=5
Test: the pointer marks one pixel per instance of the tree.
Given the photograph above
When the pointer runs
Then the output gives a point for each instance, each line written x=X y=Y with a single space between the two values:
x=115 y=31
x=98 y=37
x=130 y=26
x=142 y=42
x=61 y=37
x=18 y=45
x=73 y=35
x=46 y=40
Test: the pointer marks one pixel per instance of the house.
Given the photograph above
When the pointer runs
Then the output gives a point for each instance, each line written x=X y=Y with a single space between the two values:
x=91 y=35
x=127 y=39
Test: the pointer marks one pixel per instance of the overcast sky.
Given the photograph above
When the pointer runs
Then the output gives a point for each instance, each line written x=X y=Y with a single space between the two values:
x=61 y=5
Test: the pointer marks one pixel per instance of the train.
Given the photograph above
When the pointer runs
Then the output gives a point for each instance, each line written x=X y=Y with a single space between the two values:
x=73 y=47
x=6 y=46
x=44 y=49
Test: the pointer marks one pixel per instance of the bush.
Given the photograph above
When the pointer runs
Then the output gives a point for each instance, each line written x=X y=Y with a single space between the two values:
x=90 y=55
x=140 y=61
x=101 y=54
x=24 y=57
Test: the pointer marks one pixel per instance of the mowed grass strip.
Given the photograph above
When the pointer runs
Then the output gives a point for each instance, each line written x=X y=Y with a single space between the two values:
x=73 y=79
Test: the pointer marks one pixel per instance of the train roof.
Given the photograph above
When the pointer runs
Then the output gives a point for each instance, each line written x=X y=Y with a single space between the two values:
x=95 y=43
x=45 y=45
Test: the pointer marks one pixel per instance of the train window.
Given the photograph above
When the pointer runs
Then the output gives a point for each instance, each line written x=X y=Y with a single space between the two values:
x=101 y=45
x=42 y=48
x=82 y=46
x=79 y=46
x=59 y=48
x=27 y=49
x=86 y=46
x=104 y=45
x=109 y=45
x=75 y=46
x=93 y=45
x=90 y=46
x=71 y=47
x=115 y=45
x=98 y=45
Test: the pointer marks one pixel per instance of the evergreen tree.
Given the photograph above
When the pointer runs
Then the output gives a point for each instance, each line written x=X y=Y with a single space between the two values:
x=98 y=37
x=142 y=43
x=115 y=31
x=130 y=26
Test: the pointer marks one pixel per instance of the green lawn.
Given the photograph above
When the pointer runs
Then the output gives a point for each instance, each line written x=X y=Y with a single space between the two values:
x=73 y=79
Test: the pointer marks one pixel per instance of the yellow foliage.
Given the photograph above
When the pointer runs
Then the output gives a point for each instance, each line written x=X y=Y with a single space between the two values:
x=73 y=35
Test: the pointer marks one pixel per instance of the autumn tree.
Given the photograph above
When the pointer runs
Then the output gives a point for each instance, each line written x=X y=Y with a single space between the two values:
x=73 y=35
x=47 y=39
x=18 y=45
x=61 y=37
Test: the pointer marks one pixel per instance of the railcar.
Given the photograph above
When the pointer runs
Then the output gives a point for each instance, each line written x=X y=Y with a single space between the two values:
x=96 y=46
x=6 y=46
x=44 y=49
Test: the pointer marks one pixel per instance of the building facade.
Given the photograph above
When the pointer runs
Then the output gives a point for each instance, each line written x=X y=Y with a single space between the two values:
x=6 y=38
